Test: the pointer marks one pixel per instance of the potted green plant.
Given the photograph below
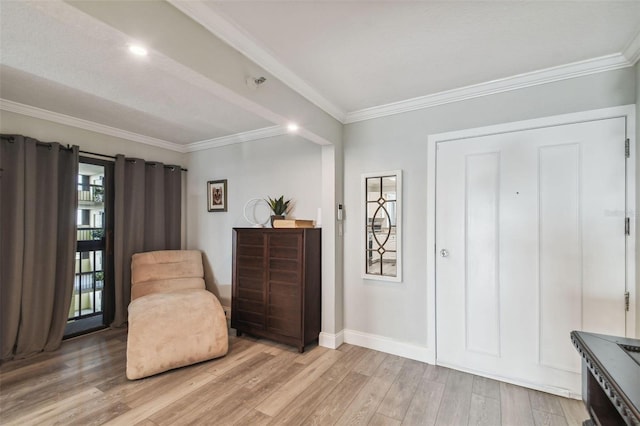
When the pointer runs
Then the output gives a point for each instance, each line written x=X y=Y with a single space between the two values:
x=278 y=206
x=98 y=194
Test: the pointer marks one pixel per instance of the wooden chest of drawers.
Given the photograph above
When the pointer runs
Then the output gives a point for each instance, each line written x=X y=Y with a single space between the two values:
x=276 y=284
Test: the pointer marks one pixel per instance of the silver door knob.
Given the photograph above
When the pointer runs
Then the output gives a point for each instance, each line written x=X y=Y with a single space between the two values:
x=444 y=253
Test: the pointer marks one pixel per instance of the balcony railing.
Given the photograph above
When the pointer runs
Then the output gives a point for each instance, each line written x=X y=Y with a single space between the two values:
x=87 y=282
x=87 y=295
x=90 y=234
x=88 y=285
x=91 y=193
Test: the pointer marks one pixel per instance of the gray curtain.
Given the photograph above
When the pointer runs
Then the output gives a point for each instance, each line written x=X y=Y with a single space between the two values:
x=147 y=211
x=38 y=198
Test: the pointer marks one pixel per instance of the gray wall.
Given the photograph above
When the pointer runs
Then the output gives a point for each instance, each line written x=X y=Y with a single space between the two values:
x=398 y=310
x=284 y=165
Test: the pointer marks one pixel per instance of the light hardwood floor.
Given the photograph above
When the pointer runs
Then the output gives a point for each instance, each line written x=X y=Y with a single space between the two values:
x=260 y=383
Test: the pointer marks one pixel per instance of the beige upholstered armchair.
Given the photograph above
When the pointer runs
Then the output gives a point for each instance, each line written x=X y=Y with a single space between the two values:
x=173 y=320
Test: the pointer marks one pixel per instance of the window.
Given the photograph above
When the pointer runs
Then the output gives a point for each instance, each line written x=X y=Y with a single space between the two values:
x=382 y=225
x=92 y=290
x=83 y=217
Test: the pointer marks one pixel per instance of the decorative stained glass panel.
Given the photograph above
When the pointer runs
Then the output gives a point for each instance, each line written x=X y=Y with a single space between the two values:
x=382 y=225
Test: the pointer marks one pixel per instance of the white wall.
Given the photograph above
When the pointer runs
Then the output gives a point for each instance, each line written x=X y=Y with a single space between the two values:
x=284 y=165
x=397 y=311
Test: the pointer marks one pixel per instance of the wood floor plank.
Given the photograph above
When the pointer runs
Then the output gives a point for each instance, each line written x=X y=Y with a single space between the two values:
x=259 y=385
x=146 y=410
x=253 y=418
x=49 y=413
x=345 y=364
x=543 y=418
x=382 y=420
x=62 y=384
x=574 y=411
x=239 y=352
x=396 y=402
x=346 y=347
x=486 y=387
x=308 y=400
x=68 y=351
x=84 y=383
x=366 y=403
x=324 y=388
x=91 y=358
x=140 y=392
x=96 y=411
x=545 y=402
x=39 y=369
x=330 y=409
x=193 y=406
x=52 y=376
x=370 y=363
x=279 y=399
x=69 y=346
x=484 y=411
x=275 y=348
x=310 y=354
x=436 y=373
x=456 y=399
x=145 y=422
x=390 y=368
x=424 y=406
x=515 y=405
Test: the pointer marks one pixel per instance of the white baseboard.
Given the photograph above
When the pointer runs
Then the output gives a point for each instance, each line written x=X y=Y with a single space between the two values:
x=331 y=341
x=390 y=346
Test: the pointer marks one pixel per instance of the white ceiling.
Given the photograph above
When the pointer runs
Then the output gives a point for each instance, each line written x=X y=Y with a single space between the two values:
x=342 y=56
x=361 y=54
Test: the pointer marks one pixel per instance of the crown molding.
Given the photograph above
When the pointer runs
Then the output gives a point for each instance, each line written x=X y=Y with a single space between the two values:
x=28 y=110
x=251 y=135
x=548 y=75
x=67 y=120
x=632 y=51
x=232 y=34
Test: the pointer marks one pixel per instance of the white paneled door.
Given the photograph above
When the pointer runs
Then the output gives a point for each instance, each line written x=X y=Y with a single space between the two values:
x=530 y=240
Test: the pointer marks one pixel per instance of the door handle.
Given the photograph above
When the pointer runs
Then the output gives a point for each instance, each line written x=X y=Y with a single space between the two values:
x=444 y=253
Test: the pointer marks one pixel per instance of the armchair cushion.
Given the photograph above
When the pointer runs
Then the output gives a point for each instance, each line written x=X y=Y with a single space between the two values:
x=165 y=271
x=173 y=320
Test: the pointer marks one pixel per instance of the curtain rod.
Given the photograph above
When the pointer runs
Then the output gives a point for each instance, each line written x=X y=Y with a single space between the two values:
x=11 y=139
x=111 y=156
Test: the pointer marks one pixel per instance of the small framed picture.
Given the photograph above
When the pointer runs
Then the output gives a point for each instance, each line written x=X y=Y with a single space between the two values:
x=217 y=195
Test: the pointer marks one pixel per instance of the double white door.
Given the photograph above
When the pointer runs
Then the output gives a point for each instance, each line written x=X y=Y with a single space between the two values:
x=530 y=241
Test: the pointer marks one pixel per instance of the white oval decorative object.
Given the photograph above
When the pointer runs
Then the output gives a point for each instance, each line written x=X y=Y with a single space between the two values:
x=257 y=212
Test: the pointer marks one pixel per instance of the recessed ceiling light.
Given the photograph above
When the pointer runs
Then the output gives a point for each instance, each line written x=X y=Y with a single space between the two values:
x=136 y=49
x=292 y=127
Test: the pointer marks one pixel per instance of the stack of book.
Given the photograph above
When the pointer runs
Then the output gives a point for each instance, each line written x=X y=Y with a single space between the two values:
x=292 y=223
